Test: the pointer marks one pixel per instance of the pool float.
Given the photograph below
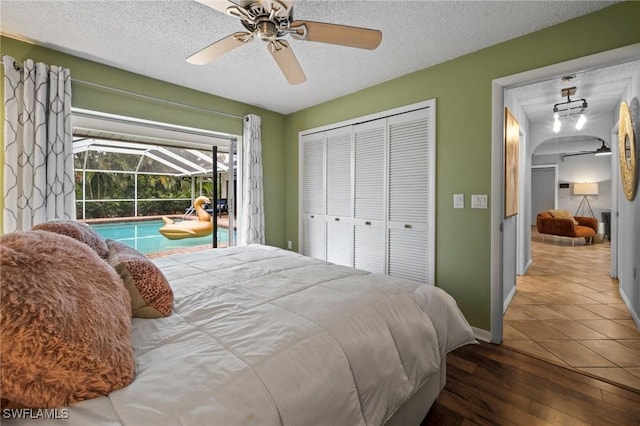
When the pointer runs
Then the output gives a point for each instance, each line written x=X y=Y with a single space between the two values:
x=189 y=228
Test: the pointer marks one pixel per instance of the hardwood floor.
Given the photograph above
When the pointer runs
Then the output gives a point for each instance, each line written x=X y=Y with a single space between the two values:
x=566 y=319
x=494 y=385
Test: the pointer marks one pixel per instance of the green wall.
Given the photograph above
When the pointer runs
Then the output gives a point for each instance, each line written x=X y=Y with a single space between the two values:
x=112 y=102
x=462 y=89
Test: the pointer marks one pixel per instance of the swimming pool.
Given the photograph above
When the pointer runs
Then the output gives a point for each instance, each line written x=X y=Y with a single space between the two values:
x=144 y=236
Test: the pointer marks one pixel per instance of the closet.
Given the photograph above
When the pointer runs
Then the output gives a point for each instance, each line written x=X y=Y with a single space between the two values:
x=367 y=192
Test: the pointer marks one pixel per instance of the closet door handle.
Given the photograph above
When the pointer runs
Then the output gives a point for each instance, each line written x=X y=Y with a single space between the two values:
x=337 y=219
x=367 y=223
x=312 y=216
x=407 y=226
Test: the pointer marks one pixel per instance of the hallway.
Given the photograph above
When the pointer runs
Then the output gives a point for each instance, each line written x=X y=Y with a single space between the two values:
x=568 y=311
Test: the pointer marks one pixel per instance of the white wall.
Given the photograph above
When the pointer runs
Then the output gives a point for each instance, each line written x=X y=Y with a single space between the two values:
x=516 y=250
x=629 y=225
x=582 y=168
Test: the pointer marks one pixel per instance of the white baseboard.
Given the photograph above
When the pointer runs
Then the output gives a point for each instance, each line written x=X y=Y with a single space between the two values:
x=480 y=334
x=627 y=302
x=525 y=268
x=508 y=300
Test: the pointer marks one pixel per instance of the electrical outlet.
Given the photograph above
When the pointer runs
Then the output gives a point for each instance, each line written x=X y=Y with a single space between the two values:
x=458 y=201
x=289 y=244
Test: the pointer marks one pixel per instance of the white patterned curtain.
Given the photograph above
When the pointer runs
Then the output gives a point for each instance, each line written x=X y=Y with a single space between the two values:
x=252 y=221
x=38 y=153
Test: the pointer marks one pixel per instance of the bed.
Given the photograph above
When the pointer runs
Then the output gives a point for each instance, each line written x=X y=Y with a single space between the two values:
x=265 y=336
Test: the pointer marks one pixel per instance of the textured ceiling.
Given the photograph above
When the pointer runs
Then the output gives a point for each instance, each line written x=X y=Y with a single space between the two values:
x=153 y=38
x=602 y=88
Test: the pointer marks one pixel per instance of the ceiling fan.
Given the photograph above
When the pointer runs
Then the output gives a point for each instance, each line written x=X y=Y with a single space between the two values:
x=603 y=150
x=271 y=21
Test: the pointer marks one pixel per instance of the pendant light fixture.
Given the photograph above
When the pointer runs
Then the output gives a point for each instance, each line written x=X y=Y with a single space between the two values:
x=569 y=108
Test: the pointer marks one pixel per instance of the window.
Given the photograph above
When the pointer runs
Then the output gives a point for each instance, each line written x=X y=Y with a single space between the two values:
x=129 y=171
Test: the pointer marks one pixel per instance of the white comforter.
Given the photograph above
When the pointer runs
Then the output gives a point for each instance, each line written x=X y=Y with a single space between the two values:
x=265 y=336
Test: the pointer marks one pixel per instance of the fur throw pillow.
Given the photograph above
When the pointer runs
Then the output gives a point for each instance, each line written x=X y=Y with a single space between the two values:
x=78 y=231
x=151 y=294
x=65 y=319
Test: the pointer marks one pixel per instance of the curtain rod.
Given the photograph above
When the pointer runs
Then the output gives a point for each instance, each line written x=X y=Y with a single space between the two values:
x=18 y=66
x=153 y=98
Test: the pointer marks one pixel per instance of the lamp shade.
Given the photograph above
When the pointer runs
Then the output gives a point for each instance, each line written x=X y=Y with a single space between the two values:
x=585 y=188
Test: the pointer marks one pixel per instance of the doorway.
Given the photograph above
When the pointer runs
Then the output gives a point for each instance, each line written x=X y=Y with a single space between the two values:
x=504 y=238
x=544 y=184
x=498 y=237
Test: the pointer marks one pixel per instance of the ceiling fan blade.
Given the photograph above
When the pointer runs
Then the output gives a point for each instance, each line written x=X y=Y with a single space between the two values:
x=219 y=5
x=219 y=48
x=362 y=38
x=287 y=61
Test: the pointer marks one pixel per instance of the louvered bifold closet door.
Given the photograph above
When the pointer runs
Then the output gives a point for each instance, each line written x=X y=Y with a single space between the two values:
x=313 y=222
x=409 y=198
x=369 y=195
x=339 y=217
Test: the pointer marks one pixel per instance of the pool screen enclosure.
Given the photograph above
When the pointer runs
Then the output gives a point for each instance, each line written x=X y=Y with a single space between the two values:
x=118 y=177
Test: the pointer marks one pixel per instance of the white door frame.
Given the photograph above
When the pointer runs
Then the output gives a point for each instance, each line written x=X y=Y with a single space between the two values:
x=616 y=198
x=522 y=264
x=598 y=60
x=555 y=180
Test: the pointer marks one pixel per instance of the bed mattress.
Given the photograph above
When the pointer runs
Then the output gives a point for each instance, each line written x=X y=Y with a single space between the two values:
x=264 y=336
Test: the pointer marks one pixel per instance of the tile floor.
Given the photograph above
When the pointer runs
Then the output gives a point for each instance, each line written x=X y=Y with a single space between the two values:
x=567 y=310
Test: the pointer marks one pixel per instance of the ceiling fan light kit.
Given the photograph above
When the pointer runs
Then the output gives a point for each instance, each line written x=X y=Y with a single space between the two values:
x=271 y=21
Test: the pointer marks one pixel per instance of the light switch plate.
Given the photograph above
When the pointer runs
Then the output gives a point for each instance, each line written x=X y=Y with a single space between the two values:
x=458 y=201
x=478 y=201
